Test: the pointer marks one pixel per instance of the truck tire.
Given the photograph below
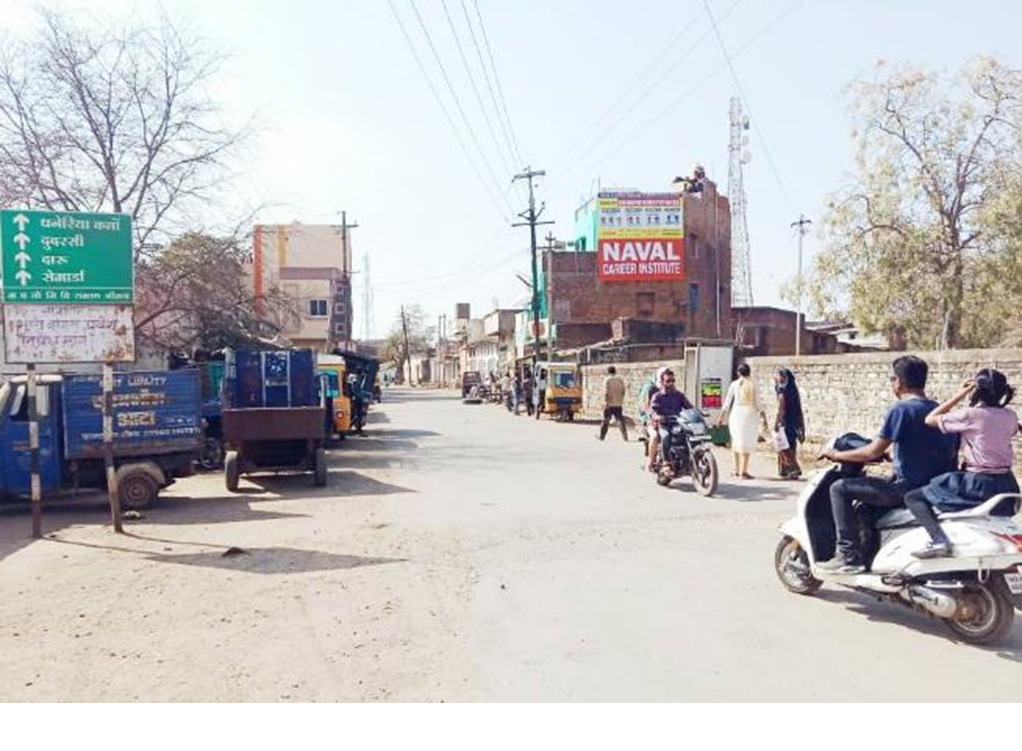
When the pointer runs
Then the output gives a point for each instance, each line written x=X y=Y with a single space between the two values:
x=232 y=471
x=320 y=468
x=137 y=488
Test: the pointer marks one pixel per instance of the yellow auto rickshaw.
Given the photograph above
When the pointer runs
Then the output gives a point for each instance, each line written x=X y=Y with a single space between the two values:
x=335 y=370
x=563 y=397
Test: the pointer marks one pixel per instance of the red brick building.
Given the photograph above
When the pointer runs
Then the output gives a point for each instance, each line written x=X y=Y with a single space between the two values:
x=582 y=306
x=762 y=330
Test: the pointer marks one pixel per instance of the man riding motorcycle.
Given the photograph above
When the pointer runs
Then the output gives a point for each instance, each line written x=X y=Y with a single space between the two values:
x=665 y=406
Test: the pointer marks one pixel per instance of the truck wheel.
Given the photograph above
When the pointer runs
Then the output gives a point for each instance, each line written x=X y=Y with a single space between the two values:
x=320 y=469
x=232 y=471
x=136 y=488
x=212 y=456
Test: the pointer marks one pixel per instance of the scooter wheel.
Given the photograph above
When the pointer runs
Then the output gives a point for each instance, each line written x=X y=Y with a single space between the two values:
x=791 y=562
x=986 y=615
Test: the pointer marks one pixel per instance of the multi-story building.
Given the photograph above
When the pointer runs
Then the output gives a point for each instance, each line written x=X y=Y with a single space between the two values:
x=311 y=265
x=658 y=257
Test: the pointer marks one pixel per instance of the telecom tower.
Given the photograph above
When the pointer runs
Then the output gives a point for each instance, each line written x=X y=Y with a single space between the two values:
x=741 y=265
x=367 y=300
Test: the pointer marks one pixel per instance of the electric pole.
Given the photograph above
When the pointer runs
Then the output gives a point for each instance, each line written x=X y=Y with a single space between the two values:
x=408 y=353
x=802 y=223
x=531 y=217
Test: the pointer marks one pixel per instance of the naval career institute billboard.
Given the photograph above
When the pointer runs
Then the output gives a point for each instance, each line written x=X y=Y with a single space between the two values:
x=641 y=237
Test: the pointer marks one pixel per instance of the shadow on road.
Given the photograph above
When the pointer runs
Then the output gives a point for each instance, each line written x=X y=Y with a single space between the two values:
x=885 y=612
x=252 y=560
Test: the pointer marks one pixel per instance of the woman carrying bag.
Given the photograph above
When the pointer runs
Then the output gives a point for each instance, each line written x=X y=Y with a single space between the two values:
x=789 y=426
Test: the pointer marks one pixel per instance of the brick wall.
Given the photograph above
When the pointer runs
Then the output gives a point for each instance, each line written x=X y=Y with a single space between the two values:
x=576 y=294
x=843 y=393
x=594 y=379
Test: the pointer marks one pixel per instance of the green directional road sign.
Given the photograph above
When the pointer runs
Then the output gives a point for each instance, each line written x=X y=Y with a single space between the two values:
x=63 y=257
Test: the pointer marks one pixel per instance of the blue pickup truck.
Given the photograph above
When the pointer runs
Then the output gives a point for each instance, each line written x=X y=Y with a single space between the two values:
x=157 y=418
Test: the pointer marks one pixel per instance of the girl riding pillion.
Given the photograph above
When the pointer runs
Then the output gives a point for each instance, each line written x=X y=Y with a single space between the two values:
x=986 y=428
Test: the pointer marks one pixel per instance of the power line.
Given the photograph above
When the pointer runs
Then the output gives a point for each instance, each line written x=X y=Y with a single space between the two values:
x=447 y=114
x=496 y=78
x=741 y=92
x=699 y=84
x=475 y=90
x=647 y=91
x=457 y=102
x=489 y=86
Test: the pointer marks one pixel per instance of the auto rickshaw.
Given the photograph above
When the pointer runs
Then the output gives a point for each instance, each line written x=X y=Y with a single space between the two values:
x=336 y=372
x=563 y=391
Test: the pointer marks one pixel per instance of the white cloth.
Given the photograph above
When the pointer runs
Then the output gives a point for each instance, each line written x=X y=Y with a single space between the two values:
x=743 y=416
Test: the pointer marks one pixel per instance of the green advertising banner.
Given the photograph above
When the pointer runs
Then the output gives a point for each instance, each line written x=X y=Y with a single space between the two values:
x=64 y=257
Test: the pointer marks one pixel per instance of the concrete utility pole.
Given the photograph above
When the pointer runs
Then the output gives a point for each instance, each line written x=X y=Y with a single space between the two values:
x=408 y=352
x=802 y=223
x=531 y=217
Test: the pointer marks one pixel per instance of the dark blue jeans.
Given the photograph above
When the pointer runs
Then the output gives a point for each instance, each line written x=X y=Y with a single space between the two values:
x=882 y=492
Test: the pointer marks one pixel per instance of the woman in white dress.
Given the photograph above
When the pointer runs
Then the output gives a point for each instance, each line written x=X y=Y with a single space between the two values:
x=742 y=413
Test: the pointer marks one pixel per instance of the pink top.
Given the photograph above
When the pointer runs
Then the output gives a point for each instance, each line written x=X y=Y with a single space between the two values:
x=986 y=436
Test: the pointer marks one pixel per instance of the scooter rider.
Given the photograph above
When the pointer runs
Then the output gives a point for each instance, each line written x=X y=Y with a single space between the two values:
x=667 y=403
x=921 y=453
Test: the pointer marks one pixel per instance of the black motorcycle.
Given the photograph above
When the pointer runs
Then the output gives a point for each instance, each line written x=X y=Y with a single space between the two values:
x=691 y=453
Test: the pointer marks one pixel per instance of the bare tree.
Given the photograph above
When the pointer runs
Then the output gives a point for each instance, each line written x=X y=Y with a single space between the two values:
x=113 y=118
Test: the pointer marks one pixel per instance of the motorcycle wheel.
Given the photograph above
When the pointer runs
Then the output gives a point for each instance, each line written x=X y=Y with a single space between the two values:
x=662 y=479
x=705 y=475
x=988 y=615
x=792 y=566
x=212 y=456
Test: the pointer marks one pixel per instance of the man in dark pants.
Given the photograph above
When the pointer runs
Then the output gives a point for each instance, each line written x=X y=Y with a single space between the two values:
x=541 y=385
x=921 y=453
x=613 y=403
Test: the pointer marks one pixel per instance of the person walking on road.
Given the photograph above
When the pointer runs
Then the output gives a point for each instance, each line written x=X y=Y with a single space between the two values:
x=742 y=415
x=613 y=403
x=541 y=392
x=527 y=391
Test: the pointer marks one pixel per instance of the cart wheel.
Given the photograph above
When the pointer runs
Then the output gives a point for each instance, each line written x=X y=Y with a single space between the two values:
x=320 y=476
x=232 y=471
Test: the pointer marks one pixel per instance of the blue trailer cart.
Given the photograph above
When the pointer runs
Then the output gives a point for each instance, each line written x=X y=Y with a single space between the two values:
x=274 y=414
x=157 y=433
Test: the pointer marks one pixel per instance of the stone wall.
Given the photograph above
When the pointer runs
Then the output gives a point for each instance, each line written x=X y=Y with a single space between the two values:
x=851 y=392
x=594 y=379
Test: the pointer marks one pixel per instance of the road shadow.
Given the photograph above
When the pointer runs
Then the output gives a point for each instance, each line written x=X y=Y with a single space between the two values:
x=407 y=396
x=377 y=418
x=341 y=484
x=887 y=612
x=252 y=560
x=273 y=560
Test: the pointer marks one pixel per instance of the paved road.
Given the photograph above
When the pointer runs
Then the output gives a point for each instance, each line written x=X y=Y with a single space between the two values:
x=457 y=554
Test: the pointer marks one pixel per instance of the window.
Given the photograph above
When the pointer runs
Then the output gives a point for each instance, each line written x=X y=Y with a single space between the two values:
x=693 y=297
x=340 y=328
x=19 y=404
x=317 y=308
x=339 y=308
x=644 y=304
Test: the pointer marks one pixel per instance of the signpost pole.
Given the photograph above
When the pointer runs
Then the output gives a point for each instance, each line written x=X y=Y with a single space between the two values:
x=33 y=447
x=108 y=445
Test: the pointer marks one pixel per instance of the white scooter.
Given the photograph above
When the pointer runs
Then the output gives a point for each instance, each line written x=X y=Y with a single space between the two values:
x=975 y=591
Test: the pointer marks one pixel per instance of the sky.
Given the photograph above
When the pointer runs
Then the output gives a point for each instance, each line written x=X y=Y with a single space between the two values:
x=597 y=93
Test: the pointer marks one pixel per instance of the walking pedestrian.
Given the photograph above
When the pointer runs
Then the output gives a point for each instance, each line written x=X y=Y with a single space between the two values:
x=742 y=414
x=527 y=390
x=613 y=403
x=541 y=392
x=790 y=423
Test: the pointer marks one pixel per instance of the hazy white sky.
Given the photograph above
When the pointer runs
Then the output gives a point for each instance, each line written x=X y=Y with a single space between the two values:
x=617 y=93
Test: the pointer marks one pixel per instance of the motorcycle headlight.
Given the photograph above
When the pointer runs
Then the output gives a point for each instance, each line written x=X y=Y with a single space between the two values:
x=697 y=428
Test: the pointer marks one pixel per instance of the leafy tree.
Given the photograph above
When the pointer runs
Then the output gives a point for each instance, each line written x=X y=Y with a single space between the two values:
x=198 y=293
x=916 y=242
x=394 y=349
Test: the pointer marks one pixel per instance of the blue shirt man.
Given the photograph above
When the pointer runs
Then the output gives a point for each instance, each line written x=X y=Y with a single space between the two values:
x=920 y=454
